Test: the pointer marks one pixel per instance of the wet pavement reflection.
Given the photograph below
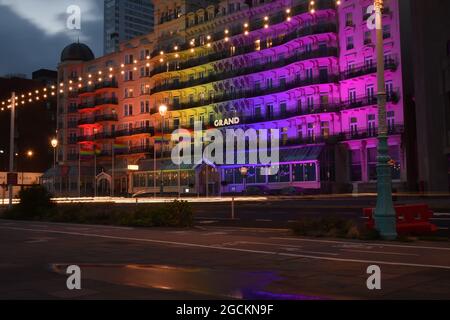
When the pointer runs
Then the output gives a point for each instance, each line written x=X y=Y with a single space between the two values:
x=212 y=282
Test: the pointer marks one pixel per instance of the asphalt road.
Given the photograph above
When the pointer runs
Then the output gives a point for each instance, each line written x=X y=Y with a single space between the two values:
x=211 y=263
x=280 y=213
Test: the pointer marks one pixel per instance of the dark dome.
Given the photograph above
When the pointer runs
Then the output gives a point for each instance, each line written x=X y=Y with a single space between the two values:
x=77 y=52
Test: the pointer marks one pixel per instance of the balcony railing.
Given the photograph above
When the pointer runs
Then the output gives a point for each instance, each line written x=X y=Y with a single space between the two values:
x=364 y=69
x=98 y=86
x=98 y=102
x=98 y=118
x=319 y=53
x=135 y=131
x=216 y=56
x=257 y=92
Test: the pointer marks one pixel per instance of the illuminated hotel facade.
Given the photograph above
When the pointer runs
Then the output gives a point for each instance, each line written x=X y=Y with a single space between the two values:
x=307 y=70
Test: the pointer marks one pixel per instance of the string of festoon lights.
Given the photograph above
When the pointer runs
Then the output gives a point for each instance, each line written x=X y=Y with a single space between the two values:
x=110 y=73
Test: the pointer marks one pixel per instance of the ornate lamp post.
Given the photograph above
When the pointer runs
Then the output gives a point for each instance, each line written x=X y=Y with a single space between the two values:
x=385 y=217
x=54 y=144
x=162 y=112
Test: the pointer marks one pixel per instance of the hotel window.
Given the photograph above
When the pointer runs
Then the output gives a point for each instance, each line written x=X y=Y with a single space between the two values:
x=202 y=119
x=371 y=126
x=283 y=108
x=354 y=127
x=355 y=165
x=310 y=103
x=311 y=133
x=257 y=85
x=269 y=111
x=324 y=100
x=212 y=118
x=258 y=45
x=128 y=93
x=129 y=59
x=269 y=42
x=350 y=67
x=176 y=101
x=232 y=50
x=352 y=96
x=257 y=112
x=176 y=123
x=325 y=129
x=284 y=136
x=147 y=106
x=372 y=163
x=389 y=89
x=191 y=98
x=127 y=110
x=367 y=37
x=191 y=121
x=269 y=83
x=349 y=19
x=370 y=93
x=300 y=132
x=282 y=81
x=142 y=106
x=308 y=47
x=350 y=44
x=323 y=74
x=309 y=74
x=386 y=31
x=391 y=122
x=129 y=75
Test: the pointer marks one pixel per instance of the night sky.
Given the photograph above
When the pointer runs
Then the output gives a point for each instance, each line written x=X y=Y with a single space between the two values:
x=33 y=32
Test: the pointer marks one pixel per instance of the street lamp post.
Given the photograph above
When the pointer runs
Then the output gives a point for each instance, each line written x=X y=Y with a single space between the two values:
x=385 y=217
x=11 y=146
x=54 y=144
x=162 y=112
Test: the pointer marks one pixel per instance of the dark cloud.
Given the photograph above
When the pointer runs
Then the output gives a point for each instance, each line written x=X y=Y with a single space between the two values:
x=25 y=48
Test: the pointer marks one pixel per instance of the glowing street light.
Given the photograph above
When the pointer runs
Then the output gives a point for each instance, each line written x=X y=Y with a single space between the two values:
x=163 y=113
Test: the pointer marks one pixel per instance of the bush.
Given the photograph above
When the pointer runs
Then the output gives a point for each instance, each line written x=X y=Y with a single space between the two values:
x=332 y=227
x=175 y=214
x=35 y=204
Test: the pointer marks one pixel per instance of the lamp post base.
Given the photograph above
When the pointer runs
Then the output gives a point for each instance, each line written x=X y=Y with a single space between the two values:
x=385 y=216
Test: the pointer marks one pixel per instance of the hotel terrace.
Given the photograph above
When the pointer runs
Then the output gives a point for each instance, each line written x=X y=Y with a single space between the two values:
x=307 y=68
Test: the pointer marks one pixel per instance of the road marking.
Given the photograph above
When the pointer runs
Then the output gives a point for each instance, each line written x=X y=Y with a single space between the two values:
x=263 y=220
x=381 y=252
x=355 y=243
x=194 y=245
x=441 y=214
x=440 y=219
x=208 y=222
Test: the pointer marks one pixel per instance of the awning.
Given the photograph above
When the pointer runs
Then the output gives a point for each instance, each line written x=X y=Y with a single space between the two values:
x=310 y=153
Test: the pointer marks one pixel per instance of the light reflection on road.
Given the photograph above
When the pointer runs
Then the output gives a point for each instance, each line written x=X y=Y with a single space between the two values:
x=210 y=282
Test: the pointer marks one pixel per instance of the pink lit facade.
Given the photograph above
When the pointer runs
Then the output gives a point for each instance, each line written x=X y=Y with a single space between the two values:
x=273 y=65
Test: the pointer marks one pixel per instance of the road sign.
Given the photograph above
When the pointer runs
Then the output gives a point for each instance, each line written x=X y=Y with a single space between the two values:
x=12 y=179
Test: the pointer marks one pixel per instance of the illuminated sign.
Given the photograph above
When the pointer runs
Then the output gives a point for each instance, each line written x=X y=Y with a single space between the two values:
x=227 y=122
x=133 y=167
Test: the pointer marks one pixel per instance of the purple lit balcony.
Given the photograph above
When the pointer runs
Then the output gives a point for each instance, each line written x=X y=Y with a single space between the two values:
x=365 y=69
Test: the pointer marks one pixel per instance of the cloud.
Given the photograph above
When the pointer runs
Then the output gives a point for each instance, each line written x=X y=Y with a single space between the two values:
x=30 y=48
x=50 y=16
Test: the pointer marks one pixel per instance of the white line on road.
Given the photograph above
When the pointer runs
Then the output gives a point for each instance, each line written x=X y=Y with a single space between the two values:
x=441 y=214
x=194 y=245
x=263 y=220
x=353 y=243
x=381 y=252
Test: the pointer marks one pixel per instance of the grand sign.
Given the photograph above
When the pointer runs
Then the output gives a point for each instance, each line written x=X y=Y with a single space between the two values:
x=227 y=122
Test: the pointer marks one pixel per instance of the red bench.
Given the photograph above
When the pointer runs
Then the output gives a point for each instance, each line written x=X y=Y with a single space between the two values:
x=411 y=219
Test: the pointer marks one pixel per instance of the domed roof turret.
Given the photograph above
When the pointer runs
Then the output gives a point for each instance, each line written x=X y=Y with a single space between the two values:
x=77 y=52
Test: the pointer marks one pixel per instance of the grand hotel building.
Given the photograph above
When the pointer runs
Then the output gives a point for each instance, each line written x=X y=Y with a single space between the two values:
x=306 y=69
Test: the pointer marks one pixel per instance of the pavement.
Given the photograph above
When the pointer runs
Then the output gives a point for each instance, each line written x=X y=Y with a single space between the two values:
x=210 y=262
